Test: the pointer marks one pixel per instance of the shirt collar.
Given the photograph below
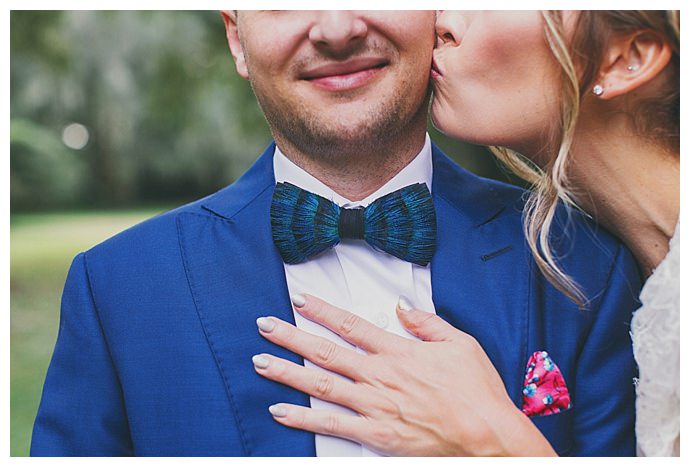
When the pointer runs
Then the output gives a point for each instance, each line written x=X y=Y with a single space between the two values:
x=419 y=170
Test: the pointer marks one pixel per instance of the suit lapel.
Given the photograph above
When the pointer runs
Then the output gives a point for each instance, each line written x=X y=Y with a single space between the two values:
x=478 y=271
x=236 y=275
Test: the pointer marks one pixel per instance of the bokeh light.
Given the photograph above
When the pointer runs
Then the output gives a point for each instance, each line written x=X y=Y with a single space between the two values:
x=75 y=136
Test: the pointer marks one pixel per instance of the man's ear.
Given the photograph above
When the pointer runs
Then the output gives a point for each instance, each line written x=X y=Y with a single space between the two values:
x=232 y=35
x=631 y=61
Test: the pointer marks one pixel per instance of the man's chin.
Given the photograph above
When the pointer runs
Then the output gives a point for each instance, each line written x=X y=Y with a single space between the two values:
x=341 y=137
x=335 y=140
x=319 y=126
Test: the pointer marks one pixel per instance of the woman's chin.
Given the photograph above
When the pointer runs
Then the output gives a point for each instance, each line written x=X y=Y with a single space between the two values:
x=442 y=121
x=466 y=129
x=448 y=125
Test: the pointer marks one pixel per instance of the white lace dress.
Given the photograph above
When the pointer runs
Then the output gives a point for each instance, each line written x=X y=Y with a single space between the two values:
x=656 y=344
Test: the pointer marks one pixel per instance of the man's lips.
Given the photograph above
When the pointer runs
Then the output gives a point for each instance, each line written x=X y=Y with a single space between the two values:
x=342 y=76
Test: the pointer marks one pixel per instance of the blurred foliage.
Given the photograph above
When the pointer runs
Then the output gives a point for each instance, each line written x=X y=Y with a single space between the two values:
x=169 y=120
x=168 y=117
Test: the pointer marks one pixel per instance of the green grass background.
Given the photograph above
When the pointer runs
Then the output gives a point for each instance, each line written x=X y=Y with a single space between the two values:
x=41 y=250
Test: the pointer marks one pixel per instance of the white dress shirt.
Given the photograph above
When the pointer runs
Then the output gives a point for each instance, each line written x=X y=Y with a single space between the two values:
x=356 y=277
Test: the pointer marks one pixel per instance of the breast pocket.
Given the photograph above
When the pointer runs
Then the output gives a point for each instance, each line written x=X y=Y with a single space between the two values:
x=558 y=429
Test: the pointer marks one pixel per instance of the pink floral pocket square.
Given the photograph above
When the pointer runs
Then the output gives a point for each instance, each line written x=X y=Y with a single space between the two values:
x=545 y=392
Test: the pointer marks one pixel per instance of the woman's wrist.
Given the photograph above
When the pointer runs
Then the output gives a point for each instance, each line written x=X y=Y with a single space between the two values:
x=522 y=438
x=501 y=431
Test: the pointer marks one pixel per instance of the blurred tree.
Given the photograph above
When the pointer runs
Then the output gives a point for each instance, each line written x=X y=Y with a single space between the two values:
x=167 y=117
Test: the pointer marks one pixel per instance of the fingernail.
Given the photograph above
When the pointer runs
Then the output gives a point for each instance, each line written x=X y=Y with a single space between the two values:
x=298 y=300
x=265 y=324
x=404 y=303
x=260 y=361
x=277 y=410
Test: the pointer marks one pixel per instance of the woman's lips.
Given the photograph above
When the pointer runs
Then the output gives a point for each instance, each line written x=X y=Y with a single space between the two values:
x=436 y=73
x=345 y=76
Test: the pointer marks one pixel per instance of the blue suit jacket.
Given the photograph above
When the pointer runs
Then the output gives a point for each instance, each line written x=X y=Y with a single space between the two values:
x=157 y=328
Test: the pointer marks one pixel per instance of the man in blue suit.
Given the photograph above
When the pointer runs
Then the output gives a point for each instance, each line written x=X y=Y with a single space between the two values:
x=157 y=328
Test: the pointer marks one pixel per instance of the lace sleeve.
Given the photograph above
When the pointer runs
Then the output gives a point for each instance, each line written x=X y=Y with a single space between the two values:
x=656 y=345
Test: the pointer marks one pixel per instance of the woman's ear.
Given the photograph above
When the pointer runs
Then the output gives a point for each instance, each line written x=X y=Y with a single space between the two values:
x=232 y=34
x=631 y=61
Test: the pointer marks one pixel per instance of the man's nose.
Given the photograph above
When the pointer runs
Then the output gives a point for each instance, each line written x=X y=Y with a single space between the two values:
x=337 y=30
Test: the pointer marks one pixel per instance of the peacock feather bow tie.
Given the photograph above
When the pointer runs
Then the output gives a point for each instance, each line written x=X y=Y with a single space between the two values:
x=402 y=223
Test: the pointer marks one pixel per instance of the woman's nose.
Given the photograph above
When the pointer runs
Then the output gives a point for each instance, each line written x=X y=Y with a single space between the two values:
x=449 y=28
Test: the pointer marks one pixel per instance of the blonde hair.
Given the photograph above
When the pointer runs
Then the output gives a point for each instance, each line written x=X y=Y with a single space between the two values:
x=579 y=59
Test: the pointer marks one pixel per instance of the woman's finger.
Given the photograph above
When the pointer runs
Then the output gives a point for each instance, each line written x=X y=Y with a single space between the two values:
x=350 y=327
x=318 y=350
x=325 y=422
x=315 y=382
x=427 y=326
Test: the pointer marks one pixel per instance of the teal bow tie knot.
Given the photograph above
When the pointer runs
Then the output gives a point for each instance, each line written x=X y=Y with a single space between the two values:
x=401 y=223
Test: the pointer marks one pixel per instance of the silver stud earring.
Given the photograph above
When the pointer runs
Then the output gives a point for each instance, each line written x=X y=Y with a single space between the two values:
x=633 y=67
x=598 y=90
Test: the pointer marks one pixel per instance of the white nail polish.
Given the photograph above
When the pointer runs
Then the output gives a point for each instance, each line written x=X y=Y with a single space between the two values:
x=260 y=361
x=404 y=303
x=277 y=411
x=298 y=300
x=265 y=324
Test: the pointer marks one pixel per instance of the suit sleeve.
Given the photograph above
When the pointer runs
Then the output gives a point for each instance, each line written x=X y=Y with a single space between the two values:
x=82 y=411
x=605 y=400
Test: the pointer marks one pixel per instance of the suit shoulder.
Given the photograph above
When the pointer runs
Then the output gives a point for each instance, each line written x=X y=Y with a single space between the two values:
x=150 y=234
x=156 y=239
x=477 y=198
x=585 y=250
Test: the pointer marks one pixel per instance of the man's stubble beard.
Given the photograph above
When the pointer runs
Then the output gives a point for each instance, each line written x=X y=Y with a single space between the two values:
x=379 y=132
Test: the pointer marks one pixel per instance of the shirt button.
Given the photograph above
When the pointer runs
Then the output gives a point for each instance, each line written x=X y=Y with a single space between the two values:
x=381 y=320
